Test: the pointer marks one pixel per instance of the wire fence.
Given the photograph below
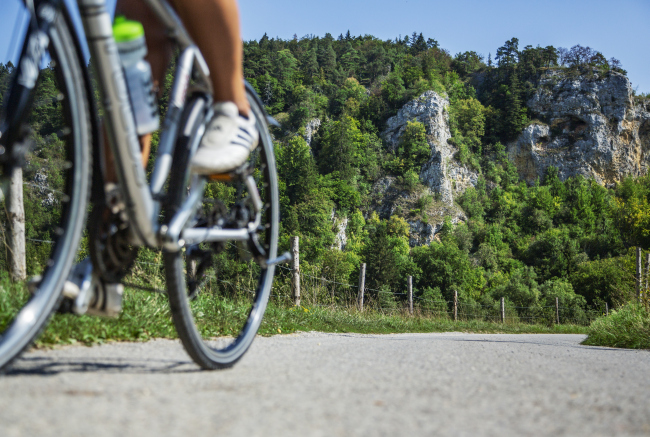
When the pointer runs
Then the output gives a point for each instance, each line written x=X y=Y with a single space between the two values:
x=320 y=291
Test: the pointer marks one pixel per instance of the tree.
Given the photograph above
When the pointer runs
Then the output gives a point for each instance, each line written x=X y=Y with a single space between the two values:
x=297 y=169
x=342 y=143
x=467 y=63
x=508 y=54
x=446 y=266
x=515 y=113
x=386 y=253
x=327 y=57
x=418 y=44
x=413 y=150
x=467 y=123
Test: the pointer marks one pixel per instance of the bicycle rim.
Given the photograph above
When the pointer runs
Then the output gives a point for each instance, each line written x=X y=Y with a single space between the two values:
x=217 y=293
x=55 y=191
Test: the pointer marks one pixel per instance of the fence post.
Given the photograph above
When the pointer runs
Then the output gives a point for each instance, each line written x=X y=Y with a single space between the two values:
x=557 y=311
x=16 y=220
x=503 y=310
x=606 y=309
x=295 y=280
x=647 y=271
x=362 y=285
x=411 y=295
x=455 y=305
x=638 y=273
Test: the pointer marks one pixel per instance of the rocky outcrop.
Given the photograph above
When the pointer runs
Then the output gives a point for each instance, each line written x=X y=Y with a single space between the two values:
x=311 y=129
x=443 y=176
x=442 y=173
x=340 y=226
x=424 y=233
x=424 y=213
x=40 y=185
x=589 y=126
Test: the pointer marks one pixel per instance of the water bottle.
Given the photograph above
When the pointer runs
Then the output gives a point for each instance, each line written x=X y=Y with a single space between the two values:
x=129 y=36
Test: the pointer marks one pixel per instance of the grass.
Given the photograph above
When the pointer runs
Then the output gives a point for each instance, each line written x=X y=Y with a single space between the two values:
x=147 y=316
x=628 y=327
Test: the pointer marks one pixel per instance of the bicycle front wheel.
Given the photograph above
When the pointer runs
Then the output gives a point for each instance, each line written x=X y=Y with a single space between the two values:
x=217 y=292
x=43 y=214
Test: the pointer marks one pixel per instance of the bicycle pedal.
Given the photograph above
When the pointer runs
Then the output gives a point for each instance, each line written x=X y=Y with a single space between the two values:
x=107 y=299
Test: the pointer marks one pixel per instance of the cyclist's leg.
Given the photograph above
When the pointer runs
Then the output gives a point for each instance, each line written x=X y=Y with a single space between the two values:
x=214 y=27
x=231 y=135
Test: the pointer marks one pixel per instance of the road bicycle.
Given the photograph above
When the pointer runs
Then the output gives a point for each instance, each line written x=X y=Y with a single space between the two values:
x=210 y=230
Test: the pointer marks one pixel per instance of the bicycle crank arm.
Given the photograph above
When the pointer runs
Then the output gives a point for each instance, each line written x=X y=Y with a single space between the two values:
x=170 y=235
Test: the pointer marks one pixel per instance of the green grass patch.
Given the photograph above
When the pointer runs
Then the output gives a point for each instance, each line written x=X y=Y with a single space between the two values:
x=373 y=322
x=147 y=316
x=628 y=327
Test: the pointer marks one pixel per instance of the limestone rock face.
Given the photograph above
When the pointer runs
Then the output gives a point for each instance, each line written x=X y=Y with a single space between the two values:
x=589 y=126
x=442 y=173
x=443 y=176
x=425 y=219
x=311 y=129
x=341 y=226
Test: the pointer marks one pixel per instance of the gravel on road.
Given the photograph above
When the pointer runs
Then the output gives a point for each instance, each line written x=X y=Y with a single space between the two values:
x=315 y=384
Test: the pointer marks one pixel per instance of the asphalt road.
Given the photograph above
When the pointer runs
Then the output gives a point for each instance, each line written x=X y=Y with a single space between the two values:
x=334 y=385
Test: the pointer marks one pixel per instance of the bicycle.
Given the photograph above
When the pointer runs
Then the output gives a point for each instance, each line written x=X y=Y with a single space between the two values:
x=206 y=227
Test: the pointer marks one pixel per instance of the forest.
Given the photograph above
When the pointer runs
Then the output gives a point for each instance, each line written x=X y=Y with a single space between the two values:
x=569 y=239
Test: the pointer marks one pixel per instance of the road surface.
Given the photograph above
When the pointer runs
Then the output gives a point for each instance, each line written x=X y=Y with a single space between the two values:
x=316 y=384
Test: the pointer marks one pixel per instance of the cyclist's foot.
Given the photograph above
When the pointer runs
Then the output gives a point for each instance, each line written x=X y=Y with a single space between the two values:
x=227 y=142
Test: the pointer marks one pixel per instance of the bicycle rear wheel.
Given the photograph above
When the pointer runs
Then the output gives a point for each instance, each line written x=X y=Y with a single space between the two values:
x=217 y=293
x=55 y=186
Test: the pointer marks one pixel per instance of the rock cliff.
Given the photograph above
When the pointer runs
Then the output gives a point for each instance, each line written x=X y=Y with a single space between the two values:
x=587 y=125
x=442 y=175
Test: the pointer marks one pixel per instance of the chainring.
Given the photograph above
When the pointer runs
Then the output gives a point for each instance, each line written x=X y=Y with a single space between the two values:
x=110 y=251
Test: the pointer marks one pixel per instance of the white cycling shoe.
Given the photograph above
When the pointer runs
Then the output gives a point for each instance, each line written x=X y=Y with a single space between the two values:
x=228 y=141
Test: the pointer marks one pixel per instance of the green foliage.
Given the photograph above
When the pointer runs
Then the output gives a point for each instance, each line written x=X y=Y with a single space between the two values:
x=604 y=281
x=413 y=150
x=530 y=244
x=467 y=125
x=431 y=300
x=627 y=327
x=446 y=266
x=386 y=252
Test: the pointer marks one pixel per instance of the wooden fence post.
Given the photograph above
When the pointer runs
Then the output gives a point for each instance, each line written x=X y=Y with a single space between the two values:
x=647 y=272
x=557 y=311
x=606 y=309
x=362 y=285
x=638 y=273
x=16 y=234
x=503 y=310
x=411 y=295
x=295 y=281
x=455 y=305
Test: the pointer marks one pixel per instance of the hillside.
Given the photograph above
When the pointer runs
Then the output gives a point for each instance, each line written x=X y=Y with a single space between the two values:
x=509 y=177
x=521 y=177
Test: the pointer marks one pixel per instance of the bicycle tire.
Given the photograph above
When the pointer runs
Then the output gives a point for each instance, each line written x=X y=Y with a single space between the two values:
x=24 y=314
x=199 y=341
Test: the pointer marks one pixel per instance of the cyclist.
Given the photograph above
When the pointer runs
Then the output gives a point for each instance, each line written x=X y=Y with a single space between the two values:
x=214 y=26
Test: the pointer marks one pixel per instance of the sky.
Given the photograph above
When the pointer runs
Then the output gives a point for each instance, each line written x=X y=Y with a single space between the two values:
x=616 y=28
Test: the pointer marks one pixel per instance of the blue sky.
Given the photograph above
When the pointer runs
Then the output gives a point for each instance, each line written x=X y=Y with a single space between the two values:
x=616 y=28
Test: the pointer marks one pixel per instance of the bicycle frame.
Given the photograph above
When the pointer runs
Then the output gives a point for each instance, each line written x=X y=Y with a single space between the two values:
x=142 y=202
x=140 y=199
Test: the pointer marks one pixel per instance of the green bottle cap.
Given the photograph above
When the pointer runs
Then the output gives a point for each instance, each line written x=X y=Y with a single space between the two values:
x=126 y=30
